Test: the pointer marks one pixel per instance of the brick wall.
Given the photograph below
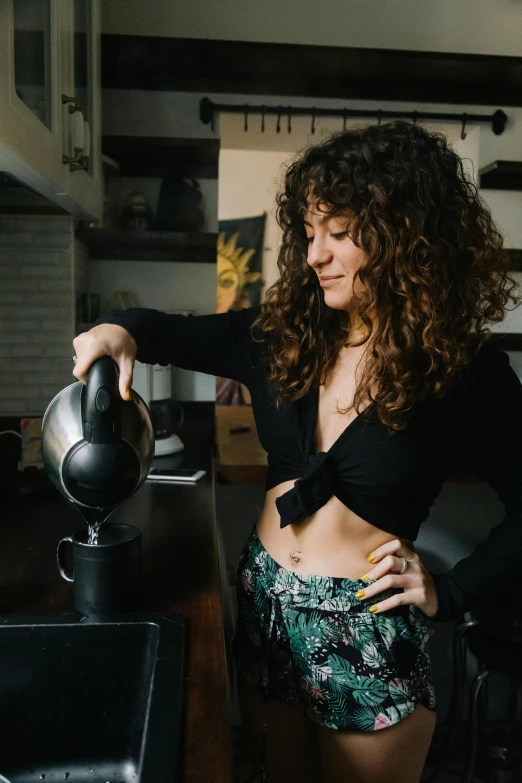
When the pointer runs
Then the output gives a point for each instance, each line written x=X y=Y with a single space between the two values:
x=42 y=268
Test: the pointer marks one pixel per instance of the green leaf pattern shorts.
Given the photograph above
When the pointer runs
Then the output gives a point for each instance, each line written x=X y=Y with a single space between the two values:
x=305 y=639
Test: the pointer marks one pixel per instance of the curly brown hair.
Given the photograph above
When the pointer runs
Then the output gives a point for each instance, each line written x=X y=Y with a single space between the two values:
x=435 y=271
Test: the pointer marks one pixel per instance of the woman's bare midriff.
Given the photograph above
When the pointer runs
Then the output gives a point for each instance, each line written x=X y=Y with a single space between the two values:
x=333 y=542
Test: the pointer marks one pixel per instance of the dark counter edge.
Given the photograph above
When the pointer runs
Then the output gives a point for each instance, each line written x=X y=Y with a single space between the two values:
x=183 y=575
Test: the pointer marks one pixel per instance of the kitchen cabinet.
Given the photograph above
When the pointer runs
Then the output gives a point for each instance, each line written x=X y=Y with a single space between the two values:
x=50 y=107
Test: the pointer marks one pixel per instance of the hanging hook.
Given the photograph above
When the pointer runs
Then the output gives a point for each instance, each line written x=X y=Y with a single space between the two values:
x=262 y=119
x=414 y=117
x=278 y=128
x=463 y=133
x=379 y=113
x=344 y=120
x=313 y=119
x=246 y=117
x=289 y=119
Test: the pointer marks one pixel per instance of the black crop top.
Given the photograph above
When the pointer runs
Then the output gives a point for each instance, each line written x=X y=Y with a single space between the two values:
x=389 y=480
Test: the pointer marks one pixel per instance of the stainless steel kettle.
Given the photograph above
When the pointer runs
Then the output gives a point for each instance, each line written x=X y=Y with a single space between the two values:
x=97 y=448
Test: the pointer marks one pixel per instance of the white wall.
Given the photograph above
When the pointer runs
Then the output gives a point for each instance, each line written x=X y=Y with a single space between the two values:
x=482 y=147
x=169 y=287
x=506 y=206
x=248 y=182
x=154 y=113
x=471 y=26
x=233 y=134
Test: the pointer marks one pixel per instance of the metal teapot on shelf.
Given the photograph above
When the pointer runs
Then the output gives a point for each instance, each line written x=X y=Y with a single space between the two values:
x=97 y=448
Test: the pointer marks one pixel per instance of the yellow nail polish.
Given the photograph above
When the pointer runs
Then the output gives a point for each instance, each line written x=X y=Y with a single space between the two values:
x=371 y=558
x=128 y=394
x=359 y=594
x=374 y=608
x=366 y=578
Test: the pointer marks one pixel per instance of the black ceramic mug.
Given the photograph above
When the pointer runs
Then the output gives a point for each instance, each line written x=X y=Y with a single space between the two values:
x=106 y=575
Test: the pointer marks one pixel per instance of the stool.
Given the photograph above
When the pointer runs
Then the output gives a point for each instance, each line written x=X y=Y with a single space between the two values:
x=495 y=639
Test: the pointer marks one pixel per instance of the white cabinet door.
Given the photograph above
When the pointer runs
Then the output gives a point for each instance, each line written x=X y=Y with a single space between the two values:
x=81 y=81
x=31 y=33
x=50 y=100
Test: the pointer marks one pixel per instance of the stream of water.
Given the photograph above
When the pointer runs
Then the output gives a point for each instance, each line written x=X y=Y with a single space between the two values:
x=94 y=517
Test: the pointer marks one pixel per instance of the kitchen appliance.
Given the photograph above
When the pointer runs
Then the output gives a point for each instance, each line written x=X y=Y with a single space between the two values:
x=153 y=384
x=97 y=448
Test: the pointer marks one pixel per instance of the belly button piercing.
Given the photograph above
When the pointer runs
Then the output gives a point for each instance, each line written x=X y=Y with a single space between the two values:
x=295 y=556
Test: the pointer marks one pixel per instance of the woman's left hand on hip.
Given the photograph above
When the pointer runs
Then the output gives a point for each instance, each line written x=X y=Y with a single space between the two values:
x=417 y=583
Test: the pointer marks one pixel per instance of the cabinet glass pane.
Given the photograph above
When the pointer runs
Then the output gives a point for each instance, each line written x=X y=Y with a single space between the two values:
x=82 y=58
x=32 y=56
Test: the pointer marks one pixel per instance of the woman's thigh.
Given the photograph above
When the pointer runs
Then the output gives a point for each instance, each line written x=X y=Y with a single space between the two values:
x=395 y=754
x=291 y=744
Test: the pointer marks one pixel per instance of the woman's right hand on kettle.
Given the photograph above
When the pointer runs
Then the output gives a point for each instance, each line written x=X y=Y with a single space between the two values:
x=106 y=340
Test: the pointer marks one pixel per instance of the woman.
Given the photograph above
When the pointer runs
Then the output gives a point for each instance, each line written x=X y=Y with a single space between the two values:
x=372 y=379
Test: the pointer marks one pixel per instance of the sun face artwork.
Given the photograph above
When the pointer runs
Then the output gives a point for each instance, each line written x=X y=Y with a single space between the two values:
x=239 y=248
x=232 y=273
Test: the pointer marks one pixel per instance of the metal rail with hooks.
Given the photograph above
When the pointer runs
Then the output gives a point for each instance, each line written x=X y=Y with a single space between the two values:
x=208 y=109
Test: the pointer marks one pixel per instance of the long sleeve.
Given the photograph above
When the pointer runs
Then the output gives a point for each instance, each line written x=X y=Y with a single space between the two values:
x=490 y=435
x=216 y=344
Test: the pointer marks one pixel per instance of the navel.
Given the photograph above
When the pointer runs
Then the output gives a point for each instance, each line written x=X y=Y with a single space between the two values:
x=295 y=556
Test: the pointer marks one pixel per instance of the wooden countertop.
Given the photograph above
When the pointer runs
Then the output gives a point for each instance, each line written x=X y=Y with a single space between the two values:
x=181 y=575
x=241 y=458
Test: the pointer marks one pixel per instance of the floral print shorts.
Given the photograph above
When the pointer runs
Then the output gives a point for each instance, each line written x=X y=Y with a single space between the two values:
x=306 y=639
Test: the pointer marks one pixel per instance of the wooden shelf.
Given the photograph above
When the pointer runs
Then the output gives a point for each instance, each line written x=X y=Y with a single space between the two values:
x=501 y=175
x=515 y=256
x=507 y=341
x=157 y=156
x=149 y=245
x=241 y=458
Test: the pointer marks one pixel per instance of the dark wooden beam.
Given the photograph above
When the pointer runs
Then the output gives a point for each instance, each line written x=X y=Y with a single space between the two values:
x=151 y=156
x=250 y=68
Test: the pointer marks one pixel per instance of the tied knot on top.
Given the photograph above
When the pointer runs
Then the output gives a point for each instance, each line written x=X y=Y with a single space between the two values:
x=310 y=492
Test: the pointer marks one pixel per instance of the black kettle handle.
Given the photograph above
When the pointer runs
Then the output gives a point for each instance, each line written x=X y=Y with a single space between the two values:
x=101 y=408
